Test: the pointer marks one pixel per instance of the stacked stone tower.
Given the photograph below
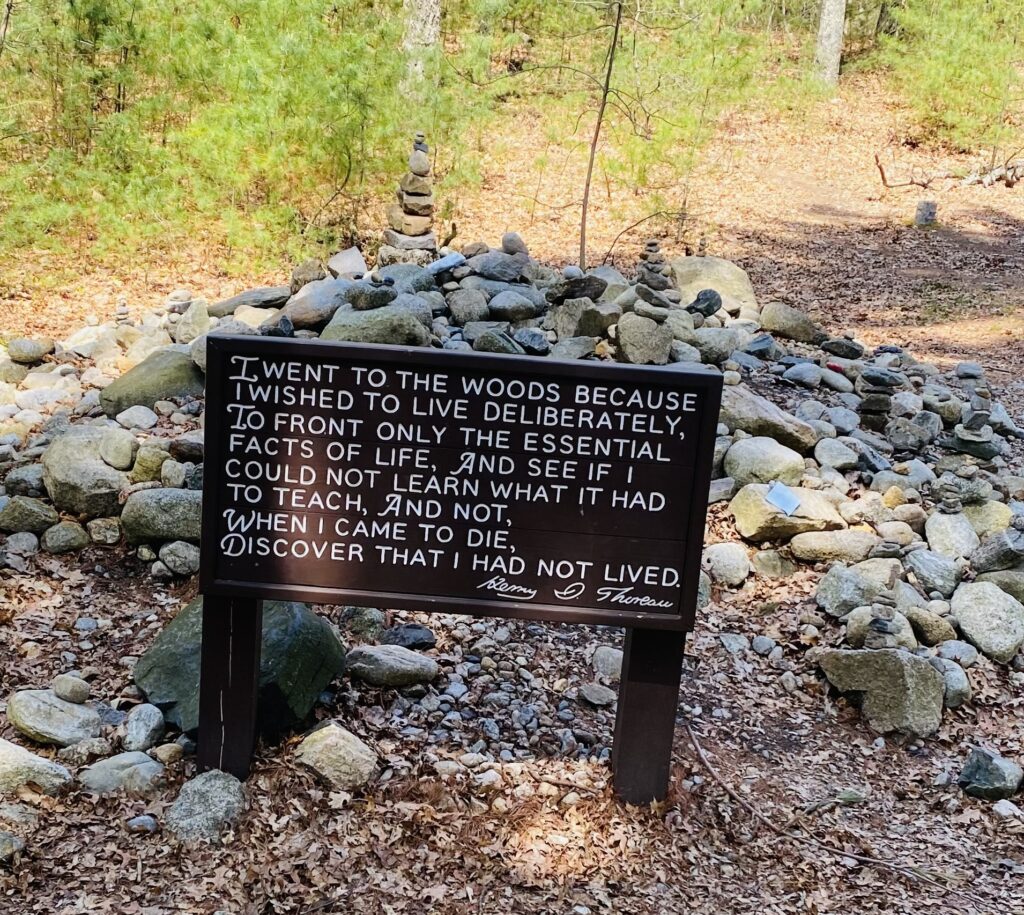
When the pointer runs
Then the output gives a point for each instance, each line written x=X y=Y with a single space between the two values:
x=410 y=237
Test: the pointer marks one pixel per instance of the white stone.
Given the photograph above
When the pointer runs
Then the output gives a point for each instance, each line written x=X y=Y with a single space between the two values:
x=138 y=417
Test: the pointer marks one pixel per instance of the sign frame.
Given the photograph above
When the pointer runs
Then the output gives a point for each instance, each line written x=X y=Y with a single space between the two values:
x=654 y=642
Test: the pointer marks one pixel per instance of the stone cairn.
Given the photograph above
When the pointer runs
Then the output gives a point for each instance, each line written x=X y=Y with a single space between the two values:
x=409 y=238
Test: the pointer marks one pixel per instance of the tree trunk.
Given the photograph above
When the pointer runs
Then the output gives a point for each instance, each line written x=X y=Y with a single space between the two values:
x=422 y=34
x=829 y=51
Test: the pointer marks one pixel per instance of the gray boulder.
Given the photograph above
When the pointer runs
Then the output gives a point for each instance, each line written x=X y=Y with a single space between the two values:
x=316 y=303
x=695 y=274
x=642 y=341
x=956 y=685
x=162 y=514
x=743 y=409
x=165 y=374
x=823 y=546
x=716 y=344
x=990 y=619
x=390 y=665
x=42 y=717
x=791 y=323
x=727 y=563
x=899 y=691
x=205 y=807
x=607 y=663
x=468 y=305
x=934 y=572
x=261 y=297
x=65 y=537
x=19 y=767
x=990 y=776
x=758 y=520
x=27 y=351
x=1009 y=580
x=143 y=727
x=760 y=459
x=951 y=535
x=338 y=756
x=843 y=590
x=23 y=513
x=300 y=656
x=390 y=324
x=133 y=772
x=25 y=480
x=77 y=478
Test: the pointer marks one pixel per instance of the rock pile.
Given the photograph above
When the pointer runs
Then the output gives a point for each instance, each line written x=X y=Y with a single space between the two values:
x=886 y=472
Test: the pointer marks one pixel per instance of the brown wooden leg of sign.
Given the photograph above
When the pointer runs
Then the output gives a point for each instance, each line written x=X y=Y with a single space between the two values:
x=229 y=683
x=646 y=717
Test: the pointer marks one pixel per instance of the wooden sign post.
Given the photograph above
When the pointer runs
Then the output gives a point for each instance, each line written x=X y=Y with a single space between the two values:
x=516 y=487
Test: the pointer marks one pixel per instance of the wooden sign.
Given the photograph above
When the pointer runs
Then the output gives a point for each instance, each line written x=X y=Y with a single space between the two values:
x=451 y=482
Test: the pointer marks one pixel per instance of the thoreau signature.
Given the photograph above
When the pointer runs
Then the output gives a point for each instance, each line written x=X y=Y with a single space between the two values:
x=626 y=596
x=500 y=587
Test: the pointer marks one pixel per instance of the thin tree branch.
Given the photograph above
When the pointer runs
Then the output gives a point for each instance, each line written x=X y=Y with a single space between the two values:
x=639 y=222
x=6 y=24
x=597 y=135
x=908 y=872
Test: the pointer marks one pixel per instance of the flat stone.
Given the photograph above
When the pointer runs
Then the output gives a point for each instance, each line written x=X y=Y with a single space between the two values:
x=846 y=545
x=261 y=297
x=743 y=409
x=391 y=324
x=758 y=520
x=390 y=665
x=597 y=694
x=165 y=374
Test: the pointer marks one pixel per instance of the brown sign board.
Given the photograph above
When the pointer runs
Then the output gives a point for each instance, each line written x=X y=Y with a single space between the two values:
x=458 y=483
x=454 y=482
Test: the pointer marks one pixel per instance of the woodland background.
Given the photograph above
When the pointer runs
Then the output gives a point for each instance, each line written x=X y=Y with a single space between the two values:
x=266 y=130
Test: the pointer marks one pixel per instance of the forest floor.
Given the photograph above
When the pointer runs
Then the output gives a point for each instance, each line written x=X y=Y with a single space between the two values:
x=797 y=202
